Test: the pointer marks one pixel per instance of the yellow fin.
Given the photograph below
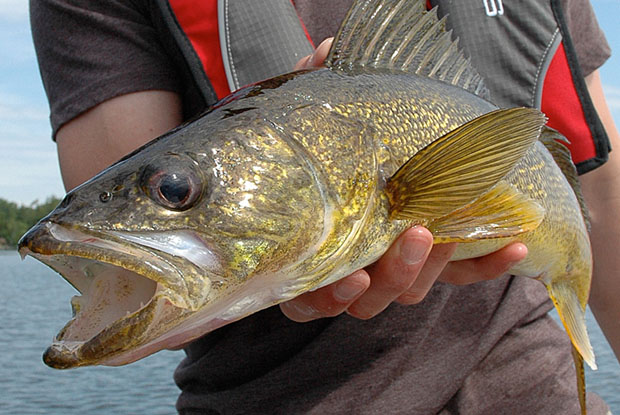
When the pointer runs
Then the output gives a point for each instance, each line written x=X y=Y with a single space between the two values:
x=581 y=380
x=401 y=35
x=501 y=212
x=556 y=143
x=461 y=166
x=573 y=316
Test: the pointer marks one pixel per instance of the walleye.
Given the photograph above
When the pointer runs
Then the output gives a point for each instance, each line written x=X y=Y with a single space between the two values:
x=293 y=183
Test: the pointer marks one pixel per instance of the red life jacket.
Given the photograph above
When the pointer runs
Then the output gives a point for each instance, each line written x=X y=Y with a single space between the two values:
x=524 y=54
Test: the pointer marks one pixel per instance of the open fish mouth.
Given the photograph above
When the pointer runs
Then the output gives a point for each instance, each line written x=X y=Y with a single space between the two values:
x=130 y=294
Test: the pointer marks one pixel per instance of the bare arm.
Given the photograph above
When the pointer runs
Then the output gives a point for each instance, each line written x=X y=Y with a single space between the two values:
x=99 y=137
x=601 y=188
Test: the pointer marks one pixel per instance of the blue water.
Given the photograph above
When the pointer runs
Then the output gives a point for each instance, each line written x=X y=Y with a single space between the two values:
x=35 y=305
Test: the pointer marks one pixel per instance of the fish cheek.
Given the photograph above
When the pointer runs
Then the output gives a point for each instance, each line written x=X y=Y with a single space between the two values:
x=273 y=229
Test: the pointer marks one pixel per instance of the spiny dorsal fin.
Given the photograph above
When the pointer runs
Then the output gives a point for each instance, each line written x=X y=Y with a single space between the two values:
x=401 y=35
x=464 y=164
x=553 y=140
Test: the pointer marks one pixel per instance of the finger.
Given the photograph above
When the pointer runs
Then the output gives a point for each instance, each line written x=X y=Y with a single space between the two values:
x=484 y=268
x=320 y=53
x=302 y=63
x=317 y=58
x=433 y=266
x=394 y=273
x=327 y=301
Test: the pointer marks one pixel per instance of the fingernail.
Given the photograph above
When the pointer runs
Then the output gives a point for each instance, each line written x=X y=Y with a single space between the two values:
x=311 y=60
x=347 y=290
x=304 y=309
x=413 y=250
x=410 y=298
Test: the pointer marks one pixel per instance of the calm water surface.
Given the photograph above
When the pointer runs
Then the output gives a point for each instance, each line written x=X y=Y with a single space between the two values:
x=35 y=306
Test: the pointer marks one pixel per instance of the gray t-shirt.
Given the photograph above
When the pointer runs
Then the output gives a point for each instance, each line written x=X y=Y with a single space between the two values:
x=486 y=348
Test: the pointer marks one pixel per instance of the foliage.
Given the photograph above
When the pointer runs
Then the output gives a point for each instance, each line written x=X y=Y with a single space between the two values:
x=16 y=219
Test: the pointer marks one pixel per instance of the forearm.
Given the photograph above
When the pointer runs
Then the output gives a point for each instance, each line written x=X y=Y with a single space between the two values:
x=601 y=188
x=101 y=136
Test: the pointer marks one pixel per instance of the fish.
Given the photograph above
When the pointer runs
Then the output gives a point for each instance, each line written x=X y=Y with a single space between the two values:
x=292 y=183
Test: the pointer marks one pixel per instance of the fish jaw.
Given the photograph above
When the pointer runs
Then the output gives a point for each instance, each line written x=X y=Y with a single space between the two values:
x=127 y=311
x=130 y=295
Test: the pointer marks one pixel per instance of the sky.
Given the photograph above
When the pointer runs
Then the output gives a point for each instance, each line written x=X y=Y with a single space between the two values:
x=28 y=163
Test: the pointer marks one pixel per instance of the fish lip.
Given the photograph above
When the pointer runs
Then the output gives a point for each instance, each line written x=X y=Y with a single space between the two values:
x=183 y=289
x=120 y=337
x=58 y=246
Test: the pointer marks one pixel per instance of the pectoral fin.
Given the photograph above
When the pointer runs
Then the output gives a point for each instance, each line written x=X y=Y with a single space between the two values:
x=458 y=168
x=501 y=212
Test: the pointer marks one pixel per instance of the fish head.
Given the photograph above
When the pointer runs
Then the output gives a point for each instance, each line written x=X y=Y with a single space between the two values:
x=195 y=230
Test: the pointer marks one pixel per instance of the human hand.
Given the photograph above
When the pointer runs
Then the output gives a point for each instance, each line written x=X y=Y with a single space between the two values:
x=404 y=274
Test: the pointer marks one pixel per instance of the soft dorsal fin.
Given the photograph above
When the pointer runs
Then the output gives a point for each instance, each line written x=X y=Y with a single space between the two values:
x=462 y=165
x=401 y=35
x=553 y=140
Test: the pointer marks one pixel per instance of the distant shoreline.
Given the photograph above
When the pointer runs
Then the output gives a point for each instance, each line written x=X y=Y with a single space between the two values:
x=16 y=219
x=5 y=246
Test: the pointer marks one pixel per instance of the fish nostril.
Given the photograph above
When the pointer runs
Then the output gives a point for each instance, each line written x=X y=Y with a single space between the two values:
x=66 y=200
x=105 y=197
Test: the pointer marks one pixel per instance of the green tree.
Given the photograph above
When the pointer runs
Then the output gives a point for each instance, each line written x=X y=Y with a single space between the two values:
x=16 y=219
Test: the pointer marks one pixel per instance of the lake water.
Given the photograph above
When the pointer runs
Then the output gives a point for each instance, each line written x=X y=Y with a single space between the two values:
x=35 y=305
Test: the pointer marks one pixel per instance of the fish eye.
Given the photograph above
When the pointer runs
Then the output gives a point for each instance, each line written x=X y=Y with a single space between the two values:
x=176 y=190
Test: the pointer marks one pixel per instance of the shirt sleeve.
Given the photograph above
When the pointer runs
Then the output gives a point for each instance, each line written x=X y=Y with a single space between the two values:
x=586 y=35
x=93 y=50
